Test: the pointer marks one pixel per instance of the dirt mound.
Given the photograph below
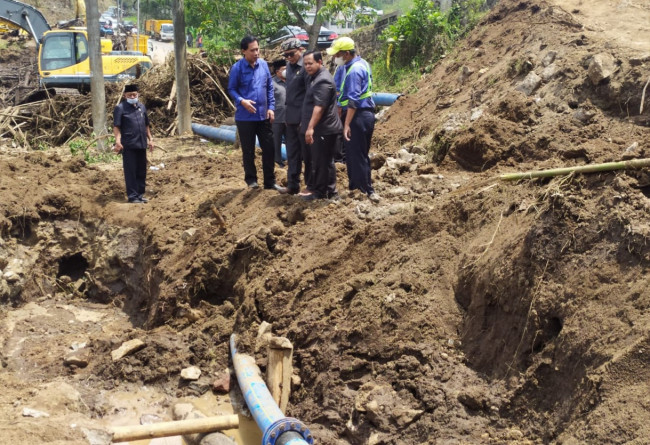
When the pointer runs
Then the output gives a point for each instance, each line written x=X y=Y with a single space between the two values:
x=460 y=309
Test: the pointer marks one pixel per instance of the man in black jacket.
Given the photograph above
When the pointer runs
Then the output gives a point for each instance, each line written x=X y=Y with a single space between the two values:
x=321 y=126
x=297 y=152
x=132 y=137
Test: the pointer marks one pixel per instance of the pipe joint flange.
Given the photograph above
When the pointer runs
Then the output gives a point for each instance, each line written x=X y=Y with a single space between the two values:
x=286 y=424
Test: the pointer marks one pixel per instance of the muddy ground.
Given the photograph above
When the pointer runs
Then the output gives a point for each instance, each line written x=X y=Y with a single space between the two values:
x=459 y=309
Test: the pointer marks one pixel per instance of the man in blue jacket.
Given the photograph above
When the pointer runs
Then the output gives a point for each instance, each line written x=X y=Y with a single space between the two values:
x=251 y=87
x=358 y=114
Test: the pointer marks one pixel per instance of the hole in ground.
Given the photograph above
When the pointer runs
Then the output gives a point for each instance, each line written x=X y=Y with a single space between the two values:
x=73 y=266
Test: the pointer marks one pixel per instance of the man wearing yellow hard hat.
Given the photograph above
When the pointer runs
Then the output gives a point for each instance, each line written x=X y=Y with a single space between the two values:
x=354 y=84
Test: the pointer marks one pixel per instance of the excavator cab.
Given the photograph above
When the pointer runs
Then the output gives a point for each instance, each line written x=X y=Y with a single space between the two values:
x=63 y=61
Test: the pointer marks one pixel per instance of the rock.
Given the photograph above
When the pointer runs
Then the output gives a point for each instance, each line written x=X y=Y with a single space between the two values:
x=200 y=386
x=222 y=383
x=398 y=164
x=398 y=191
x=418 y=150
x=148 y=419
x=405 y=416
x=465 y=73
x=584 y=116
x=128 y=347
x=404 y=155
x=529 y=84
x=549 y=58
x=181 y=410
x=5 y=290
x=191 y=373
x=514 y=434
x=601 y=68
x=636 y=61
x=97 y=437
x=632 y=148
x=377 y=161
x=77 y=359
x=187 y=234
x=549 y=72
x=476 y=114
x=28 y=412
x=473 y=399
x=296 y=381
x=217 y=439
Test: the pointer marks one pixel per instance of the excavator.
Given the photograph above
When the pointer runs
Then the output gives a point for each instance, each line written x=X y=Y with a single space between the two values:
x=63 y=53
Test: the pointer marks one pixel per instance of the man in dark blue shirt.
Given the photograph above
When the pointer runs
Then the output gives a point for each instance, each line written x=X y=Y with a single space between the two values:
x=251 y=87
x=132 y=137
x=358 y=114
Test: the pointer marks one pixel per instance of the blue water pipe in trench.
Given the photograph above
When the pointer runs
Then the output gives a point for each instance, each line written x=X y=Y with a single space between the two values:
x=276 y=428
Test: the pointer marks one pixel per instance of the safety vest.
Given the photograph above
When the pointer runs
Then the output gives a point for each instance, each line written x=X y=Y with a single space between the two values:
x=368 y=93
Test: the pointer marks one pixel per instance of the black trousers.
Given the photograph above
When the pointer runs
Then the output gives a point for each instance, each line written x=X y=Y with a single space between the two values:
x=357 y=148
x=279 y=130
x=134 y=162
x=248 y=130
x=324 y=170
x=297 y=153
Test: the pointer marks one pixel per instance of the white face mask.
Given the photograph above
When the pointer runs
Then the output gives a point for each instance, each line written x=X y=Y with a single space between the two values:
x=132 y=101
x=282 y=74
x=339 y=61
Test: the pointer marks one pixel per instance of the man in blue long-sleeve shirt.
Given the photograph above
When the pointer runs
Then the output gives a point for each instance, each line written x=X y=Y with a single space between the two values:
x=358 y=114
x=251 y=87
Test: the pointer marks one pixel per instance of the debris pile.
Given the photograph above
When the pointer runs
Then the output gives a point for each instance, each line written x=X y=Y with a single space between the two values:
x=58 y=117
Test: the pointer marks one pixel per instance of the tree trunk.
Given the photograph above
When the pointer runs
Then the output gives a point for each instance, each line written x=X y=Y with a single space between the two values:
x=314 y=29
x=182 y=79
x=96 y=71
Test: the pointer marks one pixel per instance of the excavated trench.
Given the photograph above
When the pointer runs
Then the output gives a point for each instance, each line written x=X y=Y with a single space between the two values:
x=75 y=259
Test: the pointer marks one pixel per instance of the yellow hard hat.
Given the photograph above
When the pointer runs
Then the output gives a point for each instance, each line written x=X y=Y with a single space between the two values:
x=341 y=44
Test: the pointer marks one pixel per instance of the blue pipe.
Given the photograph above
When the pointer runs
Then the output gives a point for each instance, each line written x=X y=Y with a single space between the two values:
x=276 y=428
x=384 y=99
x=225 y=133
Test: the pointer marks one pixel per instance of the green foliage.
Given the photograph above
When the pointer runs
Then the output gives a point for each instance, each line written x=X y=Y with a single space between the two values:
x=90 y=152
x=398 y=80
x=225 y=23
x=424 y=34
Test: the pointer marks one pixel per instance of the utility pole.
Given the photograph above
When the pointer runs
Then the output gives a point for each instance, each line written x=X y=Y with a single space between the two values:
x=184 y=123
x=98 y=96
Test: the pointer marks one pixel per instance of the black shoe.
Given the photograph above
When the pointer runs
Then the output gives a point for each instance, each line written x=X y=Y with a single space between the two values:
x=281 y=164
x=136 y=201
x=253 y=185
x=277 y=188
x=293 y=191
x=334 y=195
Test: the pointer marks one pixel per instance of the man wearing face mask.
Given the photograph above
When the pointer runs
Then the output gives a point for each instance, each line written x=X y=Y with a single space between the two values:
x=357 y=114
x=297 y=151
x=280 y=93
x=132 y=137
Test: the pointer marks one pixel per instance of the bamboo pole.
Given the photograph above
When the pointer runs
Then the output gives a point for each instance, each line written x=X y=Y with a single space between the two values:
x=607 y=166
x=177 y=428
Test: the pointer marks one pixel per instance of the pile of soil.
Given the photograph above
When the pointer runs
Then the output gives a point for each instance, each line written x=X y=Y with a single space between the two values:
x=460 y=309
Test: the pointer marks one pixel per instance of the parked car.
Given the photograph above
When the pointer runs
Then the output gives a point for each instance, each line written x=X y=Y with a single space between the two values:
x=287 y=32
x=326 y=37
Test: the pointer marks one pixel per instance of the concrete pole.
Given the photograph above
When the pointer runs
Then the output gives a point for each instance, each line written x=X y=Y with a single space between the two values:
x=98 y=95
x=184 y=122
